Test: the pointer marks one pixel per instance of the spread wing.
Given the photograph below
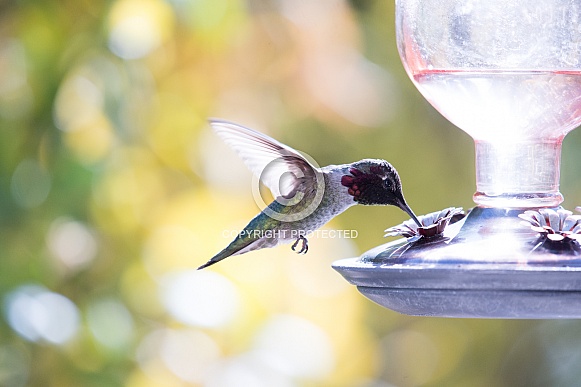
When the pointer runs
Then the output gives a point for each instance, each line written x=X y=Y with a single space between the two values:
x=281 y=168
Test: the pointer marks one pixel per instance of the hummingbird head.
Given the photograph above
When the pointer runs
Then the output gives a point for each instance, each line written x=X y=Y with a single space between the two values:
x=376 y=182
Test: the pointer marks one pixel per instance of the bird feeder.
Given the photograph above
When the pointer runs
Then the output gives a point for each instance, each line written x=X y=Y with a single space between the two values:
x=508 y=73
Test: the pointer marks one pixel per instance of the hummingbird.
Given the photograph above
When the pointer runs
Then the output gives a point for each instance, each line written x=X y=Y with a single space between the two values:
x=306 y=195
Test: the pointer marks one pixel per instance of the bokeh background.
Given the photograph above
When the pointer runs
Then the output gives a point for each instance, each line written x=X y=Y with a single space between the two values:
x=113 y=189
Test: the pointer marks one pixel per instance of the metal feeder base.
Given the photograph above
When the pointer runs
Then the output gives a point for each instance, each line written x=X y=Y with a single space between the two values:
x=486 y=266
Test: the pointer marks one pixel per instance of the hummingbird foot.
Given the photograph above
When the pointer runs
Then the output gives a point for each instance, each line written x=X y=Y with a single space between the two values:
x=304 y=247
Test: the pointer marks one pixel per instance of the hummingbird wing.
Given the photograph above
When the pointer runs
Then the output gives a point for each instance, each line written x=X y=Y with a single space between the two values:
x=281 y=168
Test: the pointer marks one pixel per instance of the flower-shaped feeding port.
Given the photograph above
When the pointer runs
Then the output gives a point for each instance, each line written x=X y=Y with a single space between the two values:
x=559 y=229
x=433 y=225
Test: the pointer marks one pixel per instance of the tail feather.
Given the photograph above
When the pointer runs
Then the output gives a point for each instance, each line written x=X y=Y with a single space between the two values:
x=209 y=263
x=217 y=258
x=238 y=246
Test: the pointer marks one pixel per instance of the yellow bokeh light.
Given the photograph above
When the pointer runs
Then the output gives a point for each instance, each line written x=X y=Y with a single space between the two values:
x=129 y=192
x=91 y=143
x=191 y=229
x=137 y=27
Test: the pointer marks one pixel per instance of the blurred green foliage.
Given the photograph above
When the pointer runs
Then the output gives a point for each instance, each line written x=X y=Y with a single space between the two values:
x=113 y=189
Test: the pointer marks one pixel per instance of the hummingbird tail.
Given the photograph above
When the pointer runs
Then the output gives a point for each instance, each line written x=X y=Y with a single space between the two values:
x=209 y=263
x=238 y=246
x=217 y=258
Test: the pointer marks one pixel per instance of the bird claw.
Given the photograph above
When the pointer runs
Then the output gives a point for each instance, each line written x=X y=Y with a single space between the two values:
x=304 y=248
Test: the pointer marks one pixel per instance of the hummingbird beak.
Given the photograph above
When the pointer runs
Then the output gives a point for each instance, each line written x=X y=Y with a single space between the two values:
x=404 y=206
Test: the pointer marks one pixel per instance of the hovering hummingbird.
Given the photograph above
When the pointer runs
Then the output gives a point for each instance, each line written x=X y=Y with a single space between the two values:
x=306 y=196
